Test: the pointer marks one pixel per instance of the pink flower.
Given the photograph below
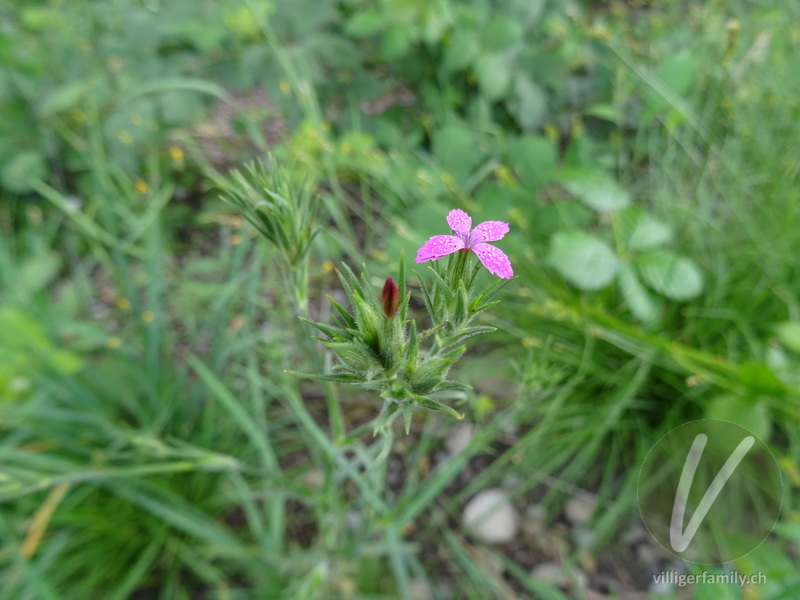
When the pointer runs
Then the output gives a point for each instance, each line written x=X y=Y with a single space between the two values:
x=475 y=240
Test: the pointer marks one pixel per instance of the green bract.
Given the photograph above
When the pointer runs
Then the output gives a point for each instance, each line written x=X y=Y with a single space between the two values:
x=282 y=210
x=392 y=355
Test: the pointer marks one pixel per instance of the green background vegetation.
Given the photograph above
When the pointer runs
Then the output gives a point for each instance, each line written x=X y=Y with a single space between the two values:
x=645 y=154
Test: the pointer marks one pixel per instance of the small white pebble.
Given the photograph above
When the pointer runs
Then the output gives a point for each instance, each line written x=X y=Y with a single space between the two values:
x=459 y=437
x=420 y=590
x=584 y=538
x=353 y=520
x=578 y=510
x=535 y=520
x=560 y=575
x=491 y=517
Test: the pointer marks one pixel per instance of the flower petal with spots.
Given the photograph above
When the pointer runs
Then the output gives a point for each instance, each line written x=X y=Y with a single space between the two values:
x=439 y=246
x=459 y=221
x=494 y=260
x=488 y=231
x=465 y=238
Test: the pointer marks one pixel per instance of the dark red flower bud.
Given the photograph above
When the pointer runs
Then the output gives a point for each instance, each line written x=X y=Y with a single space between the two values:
x=390 y=298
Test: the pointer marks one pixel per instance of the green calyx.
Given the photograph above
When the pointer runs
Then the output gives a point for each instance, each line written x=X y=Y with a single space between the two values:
x=388 y=354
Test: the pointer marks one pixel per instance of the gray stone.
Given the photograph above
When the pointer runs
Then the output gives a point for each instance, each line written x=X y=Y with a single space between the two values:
x=491 y=517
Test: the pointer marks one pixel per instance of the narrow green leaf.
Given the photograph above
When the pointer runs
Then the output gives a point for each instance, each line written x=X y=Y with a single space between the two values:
x=350 y=283
x=356 y=358
x=333 y=377
x=437 y=406
x=388 y=412
x=334 y=333
x=178 y=84
x=408 y=412
x=402 y=289
x=349 y=321
x=489 y=293
x=235 y=409
x=429 y=373
x=428 y=301
x=440 y=287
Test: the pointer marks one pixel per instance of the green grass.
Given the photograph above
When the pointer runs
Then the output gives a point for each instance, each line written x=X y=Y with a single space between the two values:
x=152 y=444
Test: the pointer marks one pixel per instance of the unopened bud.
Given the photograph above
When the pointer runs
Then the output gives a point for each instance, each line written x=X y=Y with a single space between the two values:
x=390 y=298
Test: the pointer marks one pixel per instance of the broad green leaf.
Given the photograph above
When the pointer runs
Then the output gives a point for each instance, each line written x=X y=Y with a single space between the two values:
x=760 y=379
x=365 y=23
x=64 y=98
x=603 y=110
x=583 y=259
x=549 y=218
x=640 y=302
x=527 y=11
x=246 y=20
x=528 y=104
x=397 y=40
x=500 y=34
x=22 y=171
x=671 y=275
x=747 y=412
x=40 y=18
x=38 y=271
x=641 y=231
x=461 y=51
x=457 y=148
x=493 y=74
x=788 y=333
x=27 y=349
x=595 y=189
x=676 y=74
x=436 y=18
x=533 y=160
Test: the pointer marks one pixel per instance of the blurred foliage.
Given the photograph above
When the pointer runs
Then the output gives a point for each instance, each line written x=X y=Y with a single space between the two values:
x=644 y=154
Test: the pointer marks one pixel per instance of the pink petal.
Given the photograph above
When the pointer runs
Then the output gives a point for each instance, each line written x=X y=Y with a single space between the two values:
x=439 y=246
x=494 y=260
x=488 y=231
x=459 y=221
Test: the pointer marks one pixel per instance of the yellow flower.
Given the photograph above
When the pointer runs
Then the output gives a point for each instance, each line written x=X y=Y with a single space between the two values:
x=141 y=187
x=148 y=316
